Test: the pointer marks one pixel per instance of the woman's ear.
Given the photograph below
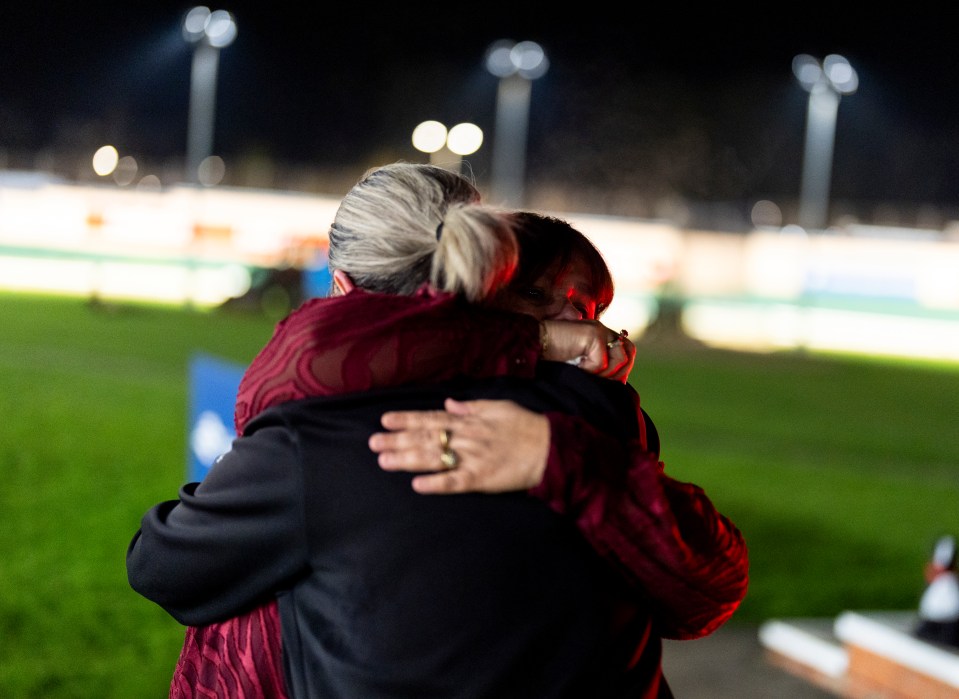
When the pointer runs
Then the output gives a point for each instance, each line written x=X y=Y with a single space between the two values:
x=342 y=284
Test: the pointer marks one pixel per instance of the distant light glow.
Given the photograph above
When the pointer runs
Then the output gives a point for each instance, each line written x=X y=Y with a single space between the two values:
x=125 y=171
x=499 y=61
x=838 y=73
x=529 y=59
x=526 y=58
x=150 y=183
x=194 y=24
x=220 y=29
x=211 y=171
x=770 y=327
x=807 y=70
x=105 y=160
x=205 y=286
x=464 y=139
x=766 y=213
x=429 y=136
x=841 y=75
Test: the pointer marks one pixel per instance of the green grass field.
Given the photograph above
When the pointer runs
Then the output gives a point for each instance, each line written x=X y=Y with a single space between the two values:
x=839 y=471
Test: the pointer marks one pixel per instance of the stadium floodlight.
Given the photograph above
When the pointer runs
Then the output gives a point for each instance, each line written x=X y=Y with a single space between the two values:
x=208 y=32
x=825 y=82
x=516 y=65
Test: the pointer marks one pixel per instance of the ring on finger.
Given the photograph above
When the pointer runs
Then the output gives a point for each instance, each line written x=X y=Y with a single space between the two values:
x=618 y=339
x=448 y=457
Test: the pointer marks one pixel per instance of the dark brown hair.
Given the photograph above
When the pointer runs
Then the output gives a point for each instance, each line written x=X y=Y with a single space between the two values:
x=550 y=245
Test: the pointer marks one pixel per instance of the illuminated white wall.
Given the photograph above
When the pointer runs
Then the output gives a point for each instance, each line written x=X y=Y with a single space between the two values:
x=864 y=290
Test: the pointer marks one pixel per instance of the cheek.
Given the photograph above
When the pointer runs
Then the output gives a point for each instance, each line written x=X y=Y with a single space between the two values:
x=519 y=304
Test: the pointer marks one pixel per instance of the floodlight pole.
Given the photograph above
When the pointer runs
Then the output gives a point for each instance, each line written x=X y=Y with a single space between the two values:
x=825 y=81
x=516 y=66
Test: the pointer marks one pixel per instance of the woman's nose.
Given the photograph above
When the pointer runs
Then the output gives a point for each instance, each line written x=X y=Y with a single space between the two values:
x=569 y=312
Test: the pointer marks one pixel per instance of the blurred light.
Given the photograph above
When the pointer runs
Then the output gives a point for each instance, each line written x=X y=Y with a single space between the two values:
x=429 y=136
x=766 y=213
x=841 y=75
x=835 y=69
x=194 y=24
x=220 y=29
x=211 y=171
x=527 y=58
x=105 y=160
x=150 y=183
x=807 y=70
x=205 y=286
x=499 y=62
x=126 y=170
x=465 y=139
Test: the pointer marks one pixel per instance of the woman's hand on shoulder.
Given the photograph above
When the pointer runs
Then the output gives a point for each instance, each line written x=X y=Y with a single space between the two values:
x=591 y=345
x=488 y=446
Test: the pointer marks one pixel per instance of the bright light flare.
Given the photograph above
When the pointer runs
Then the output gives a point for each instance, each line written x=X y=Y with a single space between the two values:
x=498 y=59
x=194 y=24
x=841 y=74
x=105 y=160
x=807 y=70
x=220 y=29
x=464 y=139
x=429 y=136
x=836 y=70
x=527 y=58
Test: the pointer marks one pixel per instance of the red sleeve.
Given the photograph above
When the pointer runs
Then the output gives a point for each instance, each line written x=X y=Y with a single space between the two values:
x=665 y=535
x=362 y=340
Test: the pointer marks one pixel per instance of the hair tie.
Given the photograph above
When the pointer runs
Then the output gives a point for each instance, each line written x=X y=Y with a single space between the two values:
x=439 y=230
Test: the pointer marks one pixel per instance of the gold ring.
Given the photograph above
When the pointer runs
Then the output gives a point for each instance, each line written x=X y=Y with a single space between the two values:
x=449 y=459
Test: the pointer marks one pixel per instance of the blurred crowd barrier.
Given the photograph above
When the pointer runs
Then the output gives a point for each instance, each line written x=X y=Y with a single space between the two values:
x=859 y=288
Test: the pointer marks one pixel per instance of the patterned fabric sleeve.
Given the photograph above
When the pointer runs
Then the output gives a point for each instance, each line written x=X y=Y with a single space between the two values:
x=238 y=658
x=362 y=340
x=665 y=535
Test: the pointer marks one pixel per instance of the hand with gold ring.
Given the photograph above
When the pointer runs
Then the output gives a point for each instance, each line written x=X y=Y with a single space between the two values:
x=598 y=349
x=499 y=446
x=621 y=354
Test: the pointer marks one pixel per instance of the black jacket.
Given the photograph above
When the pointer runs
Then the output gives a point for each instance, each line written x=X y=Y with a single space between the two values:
x=387 y=593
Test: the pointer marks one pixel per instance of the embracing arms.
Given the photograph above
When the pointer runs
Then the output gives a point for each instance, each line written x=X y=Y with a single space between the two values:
x=665 y=536
x=228 y=539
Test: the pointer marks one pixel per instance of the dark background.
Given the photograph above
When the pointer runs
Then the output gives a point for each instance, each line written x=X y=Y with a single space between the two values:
x=640 y=106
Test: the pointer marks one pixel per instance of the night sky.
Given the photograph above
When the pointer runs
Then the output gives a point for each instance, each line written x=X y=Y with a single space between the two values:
x=697 y=103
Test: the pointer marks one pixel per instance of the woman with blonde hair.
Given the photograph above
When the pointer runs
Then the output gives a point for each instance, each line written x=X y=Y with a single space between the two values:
x=511 y=592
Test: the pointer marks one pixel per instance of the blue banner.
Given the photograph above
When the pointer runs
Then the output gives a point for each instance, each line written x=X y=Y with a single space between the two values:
x=213 y=387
